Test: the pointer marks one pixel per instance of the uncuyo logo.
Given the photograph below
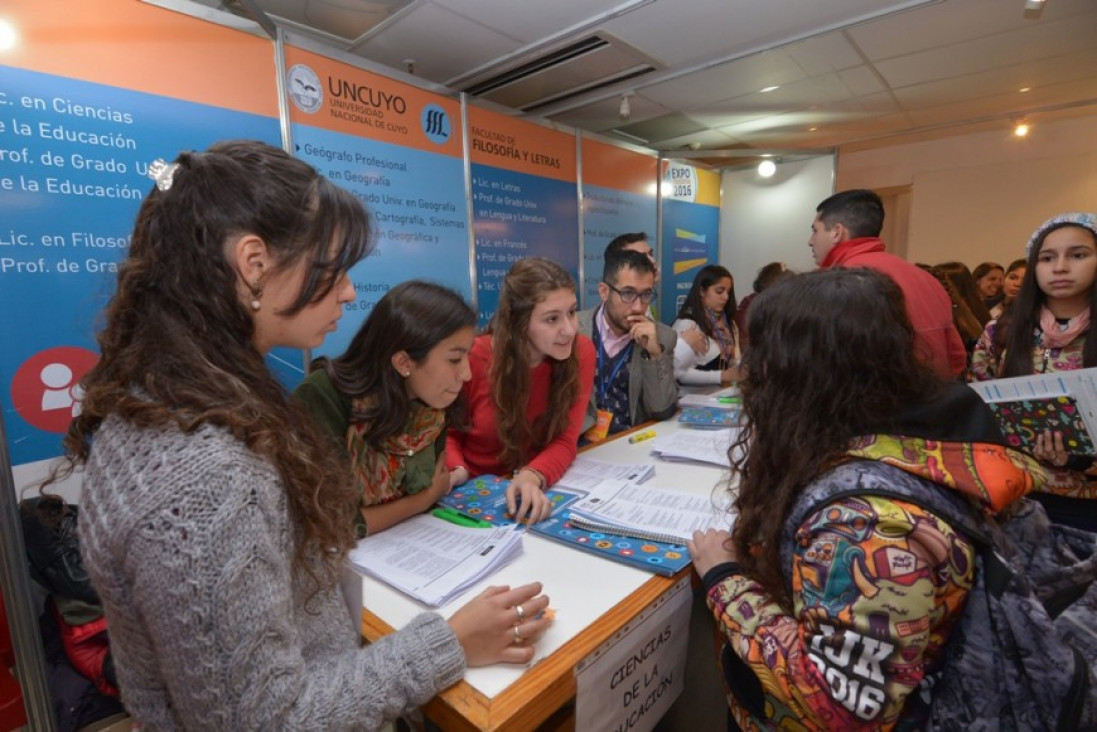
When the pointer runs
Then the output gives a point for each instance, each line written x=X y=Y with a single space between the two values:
x=435 y=124
x=304 y=88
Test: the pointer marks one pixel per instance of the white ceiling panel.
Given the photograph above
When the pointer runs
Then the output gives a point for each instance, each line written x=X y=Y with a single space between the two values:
x=727 y=81
x=605 y=115
x=723 y=28
x=529 y=23
x=862 y=80
x=870 y=105
x=996 y=82
x=823 y=54
x=709 y=139
x=957 y=21
x=989 y=52
x=434 y=59
x=1006 y=106
x=936 y=26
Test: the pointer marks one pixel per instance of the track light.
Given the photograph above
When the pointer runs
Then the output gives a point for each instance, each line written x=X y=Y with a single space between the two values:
x=625 y=109
x=767 y=168
x=1020 y=128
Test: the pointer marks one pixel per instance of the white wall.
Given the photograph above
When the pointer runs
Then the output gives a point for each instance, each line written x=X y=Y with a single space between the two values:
x=979 y=197
x=766 y=220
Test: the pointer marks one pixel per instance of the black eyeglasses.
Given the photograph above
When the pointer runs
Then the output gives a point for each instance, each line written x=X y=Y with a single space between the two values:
x=629 y=295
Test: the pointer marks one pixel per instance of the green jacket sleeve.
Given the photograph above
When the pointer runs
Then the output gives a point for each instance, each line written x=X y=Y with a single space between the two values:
x=328 y=407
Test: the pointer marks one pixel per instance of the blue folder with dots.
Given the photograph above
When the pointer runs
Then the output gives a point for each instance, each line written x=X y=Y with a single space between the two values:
x=484 y=498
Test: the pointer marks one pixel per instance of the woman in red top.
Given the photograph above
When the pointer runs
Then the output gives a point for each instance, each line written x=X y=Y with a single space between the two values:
x=532 y=373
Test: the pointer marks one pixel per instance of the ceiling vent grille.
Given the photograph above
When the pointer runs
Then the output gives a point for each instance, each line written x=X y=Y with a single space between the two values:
x=593 y=62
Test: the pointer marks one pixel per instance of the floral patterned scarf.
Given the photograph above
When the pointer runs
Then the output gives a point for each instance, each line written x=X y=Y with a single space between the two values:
x=722 y=330
x=381 y=473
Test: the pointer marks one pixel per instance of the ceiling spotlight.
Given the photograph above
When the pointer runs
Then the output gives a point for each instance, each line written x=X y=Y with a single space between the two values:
x=625 y=110
x=1020 y=129
x=1034 y=4
x=767 y=168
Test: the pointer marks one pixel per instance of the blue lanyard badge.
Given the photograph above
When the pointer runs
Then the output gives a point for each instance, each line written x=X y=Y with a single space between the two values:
x=622 y=358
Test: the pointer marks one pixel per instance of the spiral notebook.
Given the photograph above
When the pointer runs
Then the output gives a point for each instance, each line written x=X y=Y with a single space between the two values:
x=588 y=525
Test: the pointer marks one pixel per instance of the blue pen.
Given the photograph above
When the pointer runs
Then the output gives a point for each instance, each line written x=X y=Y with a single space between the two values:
x=461 y=519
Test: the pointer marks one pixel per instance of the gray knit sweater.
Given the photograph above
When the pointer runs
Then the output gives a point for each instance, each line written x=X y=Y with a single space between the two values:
x=187 y=539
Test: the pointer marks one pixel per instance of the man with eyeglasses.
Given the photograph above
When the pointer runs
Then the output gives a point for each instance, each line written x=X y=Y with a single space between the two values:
x=634 y=367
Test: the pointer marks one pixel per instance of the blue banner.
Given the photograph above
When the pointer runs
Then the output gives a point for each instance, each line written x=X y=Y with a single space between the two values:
x=608 y=213
x=517 y=215
x=73 y=159
x=417 y=203
x=691 y=234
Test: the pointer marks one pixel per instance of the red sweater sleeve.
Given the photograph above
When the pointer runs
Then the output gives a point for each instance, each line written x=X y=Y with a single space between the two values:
x=558 y=455
x=473 y=448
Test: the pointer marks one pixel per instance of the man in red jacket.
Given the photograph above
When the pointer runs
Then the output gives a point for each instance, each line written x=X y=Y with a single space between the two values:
x=846 y=233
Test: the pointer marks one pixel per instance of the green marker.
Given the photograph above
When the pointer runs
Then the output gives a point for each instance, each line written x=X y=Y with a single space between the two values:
x=461 y=519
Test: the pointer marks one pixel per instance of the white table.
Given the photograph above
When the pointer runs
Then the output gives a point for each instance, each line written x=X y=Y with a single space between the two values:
x=592 y=597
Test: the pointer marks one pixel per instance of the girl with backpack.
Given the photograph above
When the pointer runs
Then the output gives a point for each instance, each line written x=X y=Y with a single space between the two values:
x=837 y=602
x=1046 y=329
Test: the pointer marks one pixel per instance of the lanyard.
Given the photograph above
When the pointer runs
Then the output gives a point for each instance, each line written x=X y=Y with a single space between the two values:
x=621 y=359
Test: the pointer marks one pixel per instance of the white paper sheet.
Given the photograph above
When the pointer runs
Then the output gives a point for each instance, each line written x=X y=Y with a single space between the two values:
x=652 y=510
x=433 y=560
x=705 y=446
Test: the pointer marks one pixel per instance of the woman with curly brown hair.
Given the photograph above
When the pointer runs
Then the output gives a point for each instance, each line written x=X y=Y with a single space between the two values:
x=215 y=514
x=532 y=373
x=837 y=602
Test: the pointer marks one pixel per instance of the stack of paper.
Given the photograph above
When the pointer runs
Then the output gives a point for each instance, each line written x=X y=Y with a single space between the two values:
x=722 y=398
x=703 y=446
x=433 y=560
x=650 y=513
x=586 y=473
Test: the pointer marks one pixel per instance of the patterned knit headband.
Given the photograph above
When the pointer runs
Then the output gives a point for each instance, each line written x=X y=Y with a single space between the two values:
x=1078 y=218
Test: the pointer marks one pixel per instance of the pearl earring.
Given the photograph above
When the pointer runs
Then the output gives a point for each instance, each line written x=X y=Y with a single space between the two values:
x=256 y=293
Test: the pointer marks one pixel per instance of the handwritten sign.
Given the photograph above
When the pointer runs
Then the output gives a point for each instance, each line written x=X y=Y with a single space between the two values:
x=629 y=683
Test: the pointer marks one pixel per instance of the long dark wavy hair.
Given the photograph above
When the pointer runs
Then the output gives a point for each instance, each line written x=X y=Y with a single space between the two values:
x=832 y=357
x=694 y=308
x=415 y=316
x=964 y=283
x=177 y=346
x=1022 y=319
x=528 y=282
x=968 y=324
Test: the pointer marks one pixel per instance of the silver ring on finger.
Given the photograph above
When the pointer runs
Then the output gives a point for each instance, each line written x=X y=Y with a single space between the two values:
x=521 y=613
x=517 y=636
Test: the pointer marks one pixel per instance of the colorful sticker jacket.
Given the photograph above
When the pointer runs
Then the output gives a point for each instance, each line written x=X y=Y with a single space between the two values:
x=877 y=586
